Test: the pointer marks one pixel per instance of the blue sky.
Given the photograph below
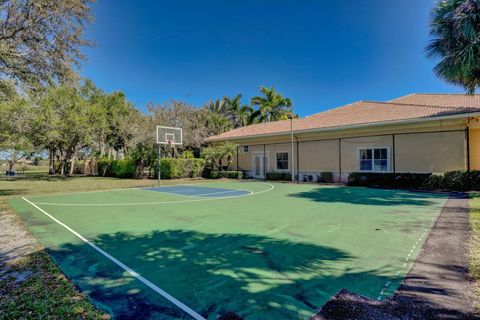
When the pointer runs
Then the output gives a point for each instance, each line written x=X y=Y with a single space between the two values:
x=320 y=53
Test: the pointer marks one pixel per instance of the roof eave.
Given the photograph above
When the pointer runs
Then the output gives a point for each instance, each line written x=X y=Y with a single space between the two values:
x=363 y=125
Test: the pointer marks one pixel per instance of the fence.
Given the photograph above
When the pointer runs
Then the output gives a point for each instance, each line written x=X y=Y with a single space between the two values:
x=332 y=160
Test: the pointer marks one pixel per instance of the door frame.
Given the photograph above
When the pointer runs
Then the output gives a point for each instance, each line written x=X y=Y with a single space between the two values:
x=262 y=169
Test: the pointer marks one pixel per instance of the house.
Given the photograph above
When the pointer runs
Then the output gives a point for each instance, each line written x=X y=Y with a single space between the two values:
x=417 y=133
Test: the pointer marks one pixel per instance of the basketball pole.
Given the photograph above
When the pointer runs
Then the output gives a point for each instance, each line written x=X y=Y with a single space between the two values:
x=158 y=165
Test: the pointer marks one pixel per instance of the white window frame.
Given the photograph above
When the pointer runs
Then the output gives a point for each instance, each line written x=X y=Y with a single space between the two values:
x=288 y=162
x=373 y=158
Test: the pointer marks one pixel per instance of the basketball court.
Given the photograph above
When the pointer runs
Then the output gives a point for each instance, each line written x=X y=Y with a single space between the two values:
x=260 y=250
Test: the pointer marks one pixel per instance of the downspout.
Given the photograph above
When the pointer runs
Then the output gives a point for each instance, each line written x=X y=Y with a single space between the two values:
x=340 y=160
x=393 y=153
x=264 y=164
x=298 y=162
x=467 y=138
x=238 y=171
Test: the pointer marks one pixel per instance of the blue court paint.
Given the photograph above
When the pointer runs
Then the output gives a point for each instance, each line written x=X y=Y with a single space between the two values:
x=202 y=192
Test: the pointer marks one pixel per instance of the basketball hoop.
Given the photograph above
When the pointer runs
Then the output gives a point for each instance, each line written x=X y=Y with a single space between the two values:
x=170 y=136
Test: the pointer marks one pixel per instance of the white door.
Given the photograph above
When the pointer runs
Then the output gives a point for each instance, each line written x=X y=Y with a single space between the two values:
x=258 y=170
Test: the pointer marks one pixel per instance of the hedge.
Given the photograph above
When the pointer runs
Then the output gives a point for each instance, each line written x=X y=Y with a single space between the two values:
x=173 y=168
x=116 y=168
x=388 y=180
x=225 y=174
x=449 y=181
x=325 y=177
x=279 y=176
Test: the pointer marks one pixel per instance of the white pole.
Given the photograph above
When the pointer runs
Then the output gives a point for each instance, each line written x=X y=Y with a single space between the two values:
x=158 y=165
x=291 y=137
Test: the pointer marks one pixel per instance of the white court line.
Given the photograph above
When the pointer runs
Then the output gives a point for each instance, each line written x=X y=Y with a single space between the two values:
x=198 y=195
x=155 y=203
x=117 y=189
x=90 y=191
x=163 y=293
x=220 y=192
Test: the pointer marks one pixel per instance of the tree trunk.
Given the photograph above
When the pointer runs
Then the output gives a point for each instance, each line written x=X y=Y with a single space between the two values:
x=72 y=165
x=229 y=161
x=51 y=161
x=60 y=164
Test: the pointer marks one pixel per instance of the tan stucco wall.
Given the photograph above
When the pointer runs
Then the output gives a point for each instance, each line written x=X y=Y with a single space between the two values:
x=475 y=148
x=432 y=152
x=245 y=158
x=350 y=150
x=427 y=151
x=272 y=155
x=445 y=125
x=319 y=156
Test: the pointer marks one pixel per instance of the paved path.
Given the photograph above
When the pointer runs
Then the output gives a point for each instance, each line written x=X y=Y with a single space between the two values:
x=437 y=286
x=15 y=239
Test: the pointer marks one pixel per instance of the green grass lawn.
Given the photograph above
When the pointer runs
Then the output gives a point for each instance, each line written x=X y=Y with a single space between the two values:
x=272 y=255
x=474 y=256
x=46 y=294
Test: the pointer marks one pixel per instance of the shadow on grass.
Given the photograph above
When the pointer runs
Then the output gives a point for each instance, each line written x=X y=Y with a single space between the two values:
x=367 y=196
x=12 y=192
x=35 y=177
x=256 y=277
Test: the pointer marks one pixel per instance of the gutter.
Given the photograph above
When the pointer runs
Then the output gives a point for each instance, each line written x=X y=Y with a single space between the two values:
x=363 y=125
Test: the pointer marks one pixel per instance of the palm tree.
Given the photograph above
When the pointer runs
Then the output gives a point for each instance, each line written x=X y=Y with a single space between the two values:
x=272 y=106
x=215 y=154
x=219 y=107
x=211 y=154
x=245 y=116
x=227 y=150
x=455 y=30
x=239 y=114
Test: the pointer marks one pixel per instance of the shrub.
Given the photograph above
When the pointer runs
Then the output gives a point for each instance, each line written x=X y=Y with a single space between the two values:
x=388 y=180
x=116 y=168
x=279 y=176
x=170 y=168
x=123 y=169
x=79 y=167
x=325 y=177
x=455 y=181
x=103 y=166
x=187 y=154
x=226 y=174
x=197 y=168
x=215 y=175
x=173 y=168
x=449 y=181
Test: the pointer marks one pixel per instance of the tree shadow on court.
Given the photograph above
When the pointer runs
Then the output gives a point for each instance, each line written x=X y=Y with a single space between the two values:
x=368 y=196
x=254 y=276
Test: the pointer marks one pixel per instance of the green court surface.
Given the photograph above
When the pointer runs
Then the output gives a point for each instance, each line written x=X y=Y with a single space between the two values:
x=260 y=250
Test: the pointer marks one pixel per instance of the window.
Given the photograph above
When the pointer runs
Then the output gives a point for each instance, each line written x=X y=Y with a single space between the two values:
x=245 y=148
x=282 y=161
x=374 y=159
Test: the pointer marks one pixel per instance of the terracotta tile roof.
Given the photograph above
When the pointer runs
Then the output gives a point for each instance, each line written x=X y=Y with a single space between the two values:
x=442 y=100
x=362 y=113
